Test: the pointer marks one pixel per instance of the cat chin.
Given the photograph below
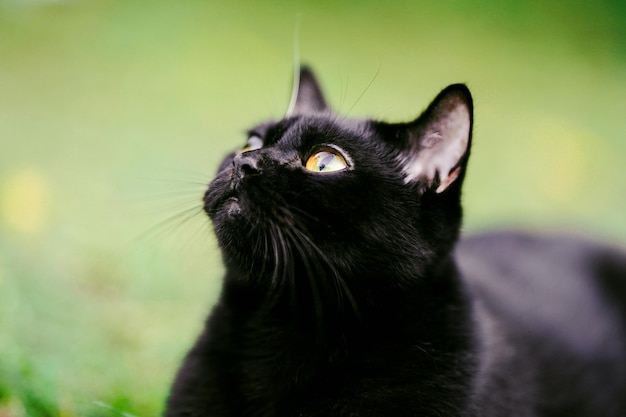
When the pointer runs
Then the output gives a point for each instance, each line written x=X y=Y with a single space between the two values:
x=225 y=210
x=221 y=198
x=232 y=207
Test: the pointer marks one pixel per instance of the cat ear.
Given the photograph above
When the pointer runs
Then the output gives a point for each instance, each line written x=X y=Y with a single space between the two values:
x=306 y=96
x=439 y=140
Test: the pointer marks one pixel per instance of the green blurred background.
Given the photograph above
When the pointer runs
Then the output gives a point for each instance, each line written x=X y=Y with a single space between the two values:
x=113 y=114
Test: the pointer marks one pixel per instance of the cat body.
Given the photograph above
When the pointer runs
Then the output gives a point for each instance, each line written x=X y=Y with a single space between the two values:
x=347 y=292
x=550 y=315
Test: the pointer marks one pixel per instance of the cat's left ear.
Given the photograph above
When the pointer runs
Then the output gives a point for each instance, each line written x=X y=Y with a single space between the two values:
x=439 y=141
x=306 y=96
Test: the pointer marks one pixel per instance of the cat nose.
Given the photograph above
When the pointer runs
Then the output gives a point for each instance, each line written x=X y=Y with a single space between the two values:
x=245 y=165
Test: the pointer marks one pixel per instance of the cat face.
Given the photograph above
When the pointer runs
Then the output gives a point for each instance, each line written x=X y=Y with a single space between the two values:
x=318 y=194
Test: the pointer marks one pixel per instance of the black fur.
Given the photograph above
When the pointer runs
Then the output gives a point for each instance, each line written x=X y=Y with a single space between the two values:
x=346 y=293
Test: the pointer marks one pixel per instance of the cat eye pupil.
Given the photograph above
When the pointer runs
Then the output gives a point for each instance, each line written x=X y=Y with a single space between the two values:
x=326 y=160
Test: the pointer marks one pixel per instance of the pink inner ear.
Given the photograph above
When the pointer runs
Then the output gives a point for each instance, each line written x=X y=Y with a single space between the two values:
x=448 y=180
x=440 y=149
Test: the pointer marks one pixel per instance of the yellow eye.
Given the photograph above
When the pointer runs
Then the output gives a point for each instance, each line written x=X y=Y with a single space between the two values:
x=326 y=160
x=254 y=143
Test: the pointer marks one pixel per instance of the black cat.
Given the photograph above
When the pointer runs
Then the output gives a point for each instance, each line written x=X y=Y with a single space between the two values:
x=347 y=294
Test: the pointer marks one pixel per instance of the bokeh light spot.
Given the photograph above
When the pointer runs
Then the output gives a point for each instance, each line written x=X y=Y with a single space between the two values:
x=24 y=200
x=565 y=153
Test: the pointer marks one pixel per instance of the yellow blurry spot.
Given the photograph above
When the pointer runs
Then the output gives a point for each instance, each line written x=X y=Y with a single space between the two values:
x=564 y=154
x=23 y=200
x=12 y=407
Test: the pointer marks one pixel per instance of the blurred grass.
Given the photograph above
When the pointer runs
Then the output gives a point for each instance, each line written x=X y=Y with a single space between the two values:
x=113 y=114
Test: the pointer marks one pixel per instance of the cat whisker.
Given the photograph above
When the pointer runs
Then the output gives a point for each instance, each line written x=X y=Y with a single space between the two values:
x=279 y=256
x=289 y=271
x=283 y=272
x=267 y=245
x=276 y=264
x=311 y=271
x=260 y=246
x=180 y=174
x=194 y=239
x=177 y=193
x=200 y=181
x=289 y=278
x=172 y=222
x=343 y=290
x=175 y=205
x=303 y=213
x=343 y=91
x=365 y=90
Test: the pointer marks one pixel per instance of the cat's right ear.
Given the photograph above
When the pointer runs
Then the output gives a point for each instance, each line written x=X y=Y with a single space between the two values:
x=306 y=96
x=436 y=145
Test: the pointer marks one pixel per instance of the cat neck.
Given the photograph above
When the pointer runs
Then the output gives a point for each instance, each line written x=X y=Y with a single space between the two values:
x=433 y=301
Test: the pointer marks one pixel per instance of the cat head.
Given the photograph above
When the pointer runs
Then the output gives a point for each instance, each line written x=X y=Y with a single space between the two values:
x=368 y=202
